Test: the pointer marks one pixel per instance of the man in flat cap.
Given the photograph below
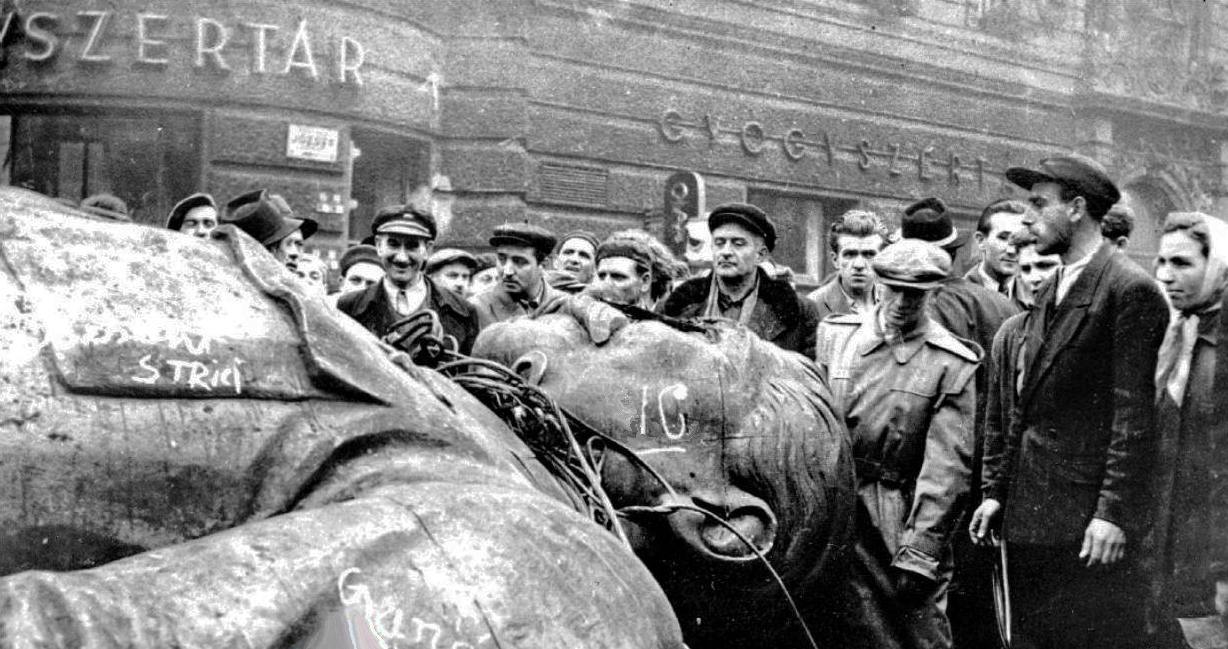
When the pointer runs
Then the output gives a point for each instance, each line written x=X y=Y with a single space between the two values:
x=404 y=237
x=1068 y=488
x=521 y=251
x=574 y=261
x=195 y=215
x=738 y=289
x=268 y=219
x=905 y=387
x=452 y=268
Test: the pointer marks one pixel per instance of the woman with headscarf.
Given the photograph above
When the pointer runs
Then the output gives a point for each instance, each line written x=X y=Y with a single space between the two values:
x=1189 y=542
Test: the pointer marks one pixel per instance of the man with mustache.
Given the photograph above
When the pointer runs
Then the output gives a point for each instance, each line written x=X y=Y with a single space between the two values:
x=738 y=289
x=905 y=387
x=521 y=251
x=404 y=238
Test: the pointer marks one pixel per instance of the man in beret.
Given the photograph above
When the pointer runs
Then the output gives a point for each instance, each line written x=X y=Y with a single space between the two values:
x=268 y=219
x=624 y=273
x=452 y=269
x=973 y=314
x=195 y=215
x=361 y=267
x=738 y=289
x=906 y=390
x=404 y=237
x=574 y=261
x=1068 y=490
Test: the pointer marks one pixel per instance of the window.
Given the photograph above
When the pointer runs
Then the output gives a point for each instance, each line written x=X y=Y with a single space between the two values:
x=148 y=161
x=387 y=169
x=801 y=230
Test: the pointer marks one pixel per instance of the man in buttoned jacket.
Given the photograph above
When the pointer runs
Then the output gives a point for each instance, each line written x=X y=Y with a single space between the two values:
x=1068 y=478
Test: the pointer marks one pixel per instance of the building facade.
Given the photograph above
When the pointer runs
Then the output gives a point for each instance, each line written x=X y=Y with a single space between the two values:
x=574 y=113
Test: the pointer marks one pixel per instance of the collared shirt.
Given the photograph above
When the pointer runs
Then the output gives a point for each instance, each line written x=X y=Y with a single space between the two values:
x=855 y=305
x=406 y=300
x=1069 y=273
x=725 y=306
x=988 y=281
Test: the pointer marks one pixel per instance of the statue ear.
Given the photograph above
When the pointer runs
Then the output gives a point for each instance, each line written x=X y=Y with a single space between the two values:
x=531 y=367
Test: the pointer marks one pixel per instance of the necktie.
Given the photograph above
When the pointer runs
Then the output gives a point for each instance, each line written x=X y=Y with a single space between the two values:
x=402 y=302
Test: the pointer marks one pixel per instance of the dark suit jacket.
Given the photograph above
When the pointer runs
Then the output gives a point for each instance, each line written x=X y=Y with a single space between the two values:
x=371 y=308
x=781 y=316
x=1085 y=418
x=831 y=300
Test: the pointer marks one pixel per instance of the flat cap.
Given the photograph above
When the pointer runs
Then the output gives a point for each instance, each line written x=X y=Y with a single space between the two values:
x=583 y=235
x=912 y=263
x=405 y=220
x=524 y=234
x=269 y=219
x=180 y=210
x=746 y=215
x=445 y=256
x=106 y=205
x=629 y=248
x=359 y=254
x=1079 y=172
x=927 y=220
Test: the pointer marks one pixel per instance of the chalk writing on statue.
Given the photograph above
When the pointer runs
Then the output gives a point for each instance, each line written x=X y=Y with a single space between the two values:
x=383 y=618
x=209 y=375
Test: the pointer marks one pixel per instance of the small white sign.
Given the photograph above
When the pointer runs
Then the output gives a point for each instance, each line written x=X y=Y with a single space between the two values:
x=312 y=143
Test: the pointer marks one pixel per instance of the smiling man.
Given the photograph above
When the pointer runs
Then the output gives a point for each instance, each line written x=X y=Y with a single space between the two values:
x=738 y=289
x=999 y=267
x=404 y=238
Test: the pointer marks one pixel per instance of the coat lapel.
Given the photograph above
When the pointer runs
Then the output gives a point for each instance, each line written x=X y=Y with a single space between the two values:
x=1065 y=319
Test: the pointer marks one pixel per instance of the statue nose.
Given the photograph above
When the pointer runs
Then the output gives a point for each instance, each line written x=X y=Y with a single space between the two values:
x=729 y=524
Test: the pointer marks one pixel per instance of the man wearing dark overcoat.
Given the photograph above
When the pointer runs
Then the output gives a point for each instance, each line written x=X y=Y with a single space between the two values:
x=738 y=289
x=1070 y=486
x=404 y=237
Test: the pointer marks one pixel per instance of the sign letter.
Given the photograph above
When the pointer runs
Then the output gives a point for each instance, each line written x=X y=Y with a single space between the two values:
x=101 y=18
x=36 y=34
x=260 y=32
x=347 y=65
x=307 y=61
x=143 y=42
x=211 y=37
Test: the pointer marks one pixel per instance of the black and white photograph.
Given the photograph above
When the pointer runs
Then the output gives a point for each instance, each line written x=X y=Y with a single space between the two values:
x=613 y=324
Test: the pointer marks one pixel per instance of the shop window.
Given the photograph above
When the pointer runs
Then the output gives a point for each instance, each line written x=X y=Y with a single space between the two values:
x=148 y=161
x=801 y=230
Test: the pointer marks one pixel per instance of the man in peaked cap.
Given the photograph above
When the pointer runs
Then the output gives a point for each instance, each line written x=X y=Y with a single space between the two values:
x=973 y=314
x=404 y=238
x=195 y=215
x=738 y=289
x=1070 y=491
x=905 y=387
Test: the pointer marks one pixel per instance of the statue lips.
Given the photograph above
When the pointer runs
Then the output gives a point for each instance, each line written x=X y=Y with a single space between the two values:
x=705 y=533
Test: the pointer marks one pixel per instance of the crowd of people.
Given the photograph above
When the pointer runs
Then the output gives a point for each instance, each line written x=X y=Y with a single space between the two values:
x=1056 y=396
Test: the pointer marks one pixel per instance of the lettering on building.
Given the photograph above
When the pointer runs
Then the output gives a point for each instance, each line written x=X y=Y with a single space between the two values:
x=922 y=161
x=95 y=37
